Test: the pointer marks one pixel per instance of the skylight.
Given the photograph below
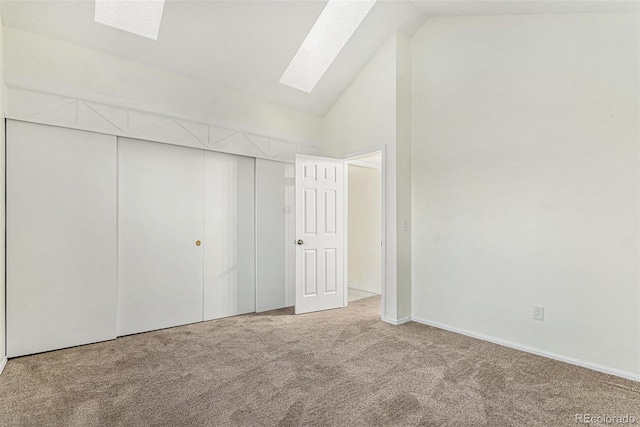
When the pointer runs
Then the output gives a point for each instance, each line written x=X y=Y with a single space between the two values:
x=334 y=27
x=141 y=17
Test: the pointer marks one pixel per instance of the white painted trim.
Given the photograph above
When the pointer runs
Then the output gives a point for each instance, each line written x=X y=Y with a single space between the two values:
x=3 y=363
x=345 y=231
x=383 y=278
x=37 y=85
x=49 y=104
x=255 y=236
x=522 y=347
x=397 y=322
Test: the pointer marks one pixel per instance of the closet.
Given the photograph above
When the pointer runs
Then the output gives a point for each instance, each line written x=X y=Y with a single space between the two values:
x=186 y=239
x=112 y=236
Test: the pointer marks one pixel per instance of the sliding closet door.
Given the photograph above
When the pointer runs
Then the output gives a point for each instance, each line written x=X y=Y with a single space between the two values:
x=160 y=227
x=229 y=241
x=61 y=238
x=275 y=225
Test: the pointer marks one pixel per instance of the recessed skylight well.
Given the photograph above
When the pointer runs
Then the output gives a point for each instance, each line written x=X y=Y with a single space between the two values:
x=141 y=17
x=334 y=27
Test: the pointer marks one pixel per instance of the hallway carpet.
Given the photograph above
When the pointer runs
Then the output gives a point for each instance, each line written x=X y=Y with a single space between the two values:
x=335 y=368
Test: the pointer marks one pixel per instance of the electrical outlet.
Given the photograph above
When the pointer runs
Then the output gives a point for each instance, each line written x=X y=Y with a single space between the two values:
x=538 y=312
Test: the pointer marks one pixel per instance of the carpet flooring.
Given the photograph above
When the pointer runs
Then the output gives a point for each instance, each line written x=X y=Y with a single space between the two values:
x=334 y=368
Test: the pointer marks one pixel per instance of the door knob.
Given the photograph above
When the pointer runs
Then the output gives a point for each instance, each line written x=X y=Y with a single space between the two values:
x=299 y=242
x=198 y=242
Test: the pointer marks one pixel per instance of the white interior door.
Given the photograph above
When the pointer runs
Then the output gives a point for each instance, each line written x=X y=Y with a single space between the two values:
x=229 y=235
x=160 y=223
x=319 y=234
x=61 y=238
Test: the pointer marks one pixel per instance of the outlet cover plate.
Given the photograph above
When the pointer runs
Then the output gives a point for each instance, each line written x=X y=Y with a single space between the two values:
x=538 y=312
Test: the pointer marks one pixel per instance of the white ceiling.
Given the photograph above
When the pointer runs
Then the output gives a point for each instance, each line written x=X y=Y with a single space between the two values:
x=247 y=45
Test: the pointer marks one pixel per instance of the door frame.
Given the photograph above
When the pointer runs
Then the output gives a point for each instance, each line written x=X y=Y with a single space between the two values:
x=353 y=158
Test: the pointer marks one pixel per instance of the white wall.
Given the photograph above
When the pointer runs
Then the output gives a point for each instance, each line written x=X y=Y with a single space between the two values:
x=365 y=228
x=2 y=202
x=363 y=120
x=526 y=181
x=364 y=117
x=37 y=60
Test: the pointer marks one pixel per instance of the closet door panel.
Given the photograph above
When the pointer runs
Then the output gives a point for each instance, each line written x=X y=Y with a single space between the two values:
x=275 y=208
x=229 y=241
x=160 y=218
x=61 y=238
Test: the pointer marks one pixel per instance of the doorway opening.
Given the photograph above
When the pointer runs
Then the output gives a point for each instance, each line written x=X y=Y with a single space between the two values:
x=365 y=251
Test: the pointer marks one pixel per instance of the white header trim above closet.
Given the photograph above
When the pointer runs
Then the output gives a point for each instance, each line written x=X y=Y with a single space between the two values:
x=73 y=108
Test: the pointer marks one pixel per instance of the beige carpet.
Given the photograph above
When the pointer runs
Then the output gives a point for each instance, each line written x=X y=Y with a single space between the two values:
x=335 y=368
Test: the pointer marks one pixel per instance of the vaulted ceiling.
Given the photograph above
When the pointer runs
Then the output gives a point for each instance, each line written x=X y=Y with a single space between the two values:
x=247 y=45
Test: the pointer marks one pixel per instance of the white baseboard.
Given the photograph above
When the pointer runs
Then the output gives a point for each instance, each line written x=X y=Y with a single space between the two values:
x=364 y=290
x=578 y=362
x=397 y=322
x=3 y=363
